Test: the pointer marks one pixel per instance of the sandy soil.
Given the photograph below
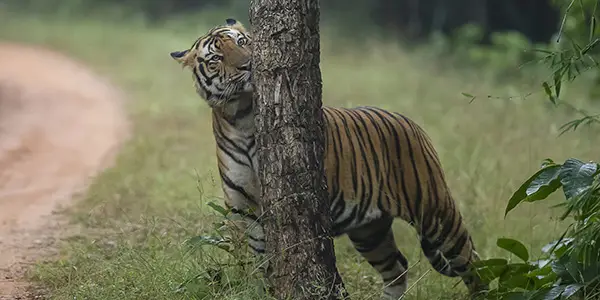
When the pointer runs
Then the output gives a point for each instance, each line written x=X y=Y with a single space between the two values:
x=60 y=124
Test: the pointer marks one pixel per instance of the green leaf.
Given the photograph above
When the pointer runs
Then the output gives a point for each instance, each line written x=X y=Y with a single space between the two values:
x=490 y=262
x=541 y=263
x=561 y=270
x=220 y=209
x=548 y=92
x=547 y=163
x=517 y=276
x=515 y=247
x=574 y=267
x=204 y=240
x=554 y=293
x=577 y=177
x=504 y=295
x=590 y=46
x=512 y=296
x=521 y=268
x=571 y=289
x=543 y=277
x=557 y=84
x=543 y=183
x=557 y=245
x=471 y=97
x=573 y=124
x=490 y=269
x=516 y=281
x=591 y=271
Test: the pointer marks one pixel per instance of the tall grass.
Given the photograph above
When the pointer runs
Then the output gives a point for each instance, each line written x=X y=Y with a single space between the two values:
x=139 y=213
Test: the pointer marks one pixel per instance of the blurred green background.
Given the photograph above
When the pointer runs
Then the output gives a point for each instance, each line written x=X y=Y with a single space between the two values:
x=413 y=57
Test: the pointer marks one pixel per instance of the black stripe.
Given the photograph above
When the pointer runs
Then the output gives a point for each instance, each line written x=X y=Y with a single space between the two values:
x=244 y=214
x=230 y=155
x=376 y=186
x=460 y=243
x=428 y=249
x=393 y=180
x=408 y=199
x=365 y=186
x=204 y=75
x=223 y=137
x=384 y=150
x=209 y=39
x=241 y=113
x=418 y=193
x=352 y=150
x=398 y=281
x=331 y=129
x=337 y=205
x=237 y=188
x=256 y=239
x=371 y=243
x=434 y=186
x=340 y=226
x=256 y=249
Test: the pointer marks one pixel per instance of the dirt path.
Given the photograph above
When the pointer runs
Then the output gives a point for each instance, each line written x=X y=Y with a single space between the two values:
x=59 y=125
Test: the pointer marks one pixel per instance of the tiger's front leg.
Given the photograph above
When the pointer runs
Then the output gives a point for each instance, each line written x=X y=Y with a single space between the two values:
x=247 y=223
x=240 y=197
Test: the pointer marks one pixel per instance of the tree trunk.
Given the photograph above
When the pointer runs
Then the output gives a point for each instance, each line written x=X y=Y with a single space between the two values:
x=290 y=141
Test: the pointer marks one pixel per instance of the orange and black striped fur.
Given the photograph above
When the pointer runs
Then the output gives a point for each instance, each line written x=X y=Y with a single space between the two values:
x=379 y=165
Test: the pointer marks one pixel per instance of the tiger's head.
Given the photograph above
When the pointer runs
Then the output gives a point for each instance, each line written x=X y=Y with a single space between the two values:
x=220 y=62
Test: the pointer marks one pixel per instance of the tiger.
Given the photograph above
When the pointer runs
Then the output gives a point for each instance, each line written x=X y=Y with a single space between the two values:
x=379 y=165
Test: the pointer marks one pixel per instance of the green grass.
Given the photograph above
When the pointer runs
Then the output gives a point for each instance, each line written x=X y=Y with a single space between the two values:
x=139 y=213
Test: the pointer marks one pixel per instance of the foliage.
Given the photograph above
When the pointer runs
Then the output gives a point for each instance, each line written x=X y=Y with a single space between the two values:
x=579 y=23
x=505 y=53
x=225 y=237
x=413 y=19
x=569 y=267
x=574 y=59
x=578 y=41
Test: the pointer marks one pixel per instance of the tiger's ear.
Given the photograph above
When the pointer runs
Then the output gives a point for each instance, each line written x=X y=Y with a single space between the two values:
x=235 y=24
x=181 y=57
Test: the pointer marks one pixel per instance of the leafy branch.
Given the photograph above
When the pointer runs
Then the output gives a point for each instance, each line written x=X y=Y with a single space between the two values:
x=570 y=266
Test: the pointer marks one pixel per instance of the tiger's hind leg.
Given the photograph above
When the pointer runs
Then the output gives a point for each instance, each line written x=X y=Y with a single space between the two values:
x=449 y=248
x=375 y=242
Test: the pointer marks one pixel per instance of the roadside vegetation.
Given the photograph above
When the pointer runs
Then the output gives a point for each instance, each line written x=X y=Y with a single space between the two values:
x=146 y=221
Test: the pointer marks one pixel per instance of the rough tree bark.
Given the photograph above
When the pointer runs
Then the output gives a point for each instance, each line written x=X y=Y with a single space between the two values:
x=290 y=141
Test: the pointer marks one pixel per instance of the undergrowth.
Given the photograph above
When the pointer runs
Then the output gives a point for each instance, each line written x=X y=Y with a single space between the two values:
x=141 y=216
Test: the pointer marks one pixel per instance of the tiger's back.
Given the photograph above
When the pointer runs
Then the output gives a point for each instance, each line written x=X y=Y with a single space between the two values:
x=381 y=161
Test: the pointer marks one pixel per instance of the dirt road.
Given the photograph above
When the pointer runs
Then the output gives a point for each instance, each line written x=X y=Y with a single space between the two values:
x=60 y=124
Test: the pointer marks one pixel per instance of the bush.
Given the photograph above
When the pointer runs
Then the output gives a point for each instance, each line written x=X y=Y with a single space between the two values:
x=570 y=265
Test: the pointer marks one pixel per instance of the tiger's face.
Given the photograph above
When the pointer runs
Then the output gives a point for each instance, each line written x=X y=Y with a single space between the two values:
x=220 y=62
